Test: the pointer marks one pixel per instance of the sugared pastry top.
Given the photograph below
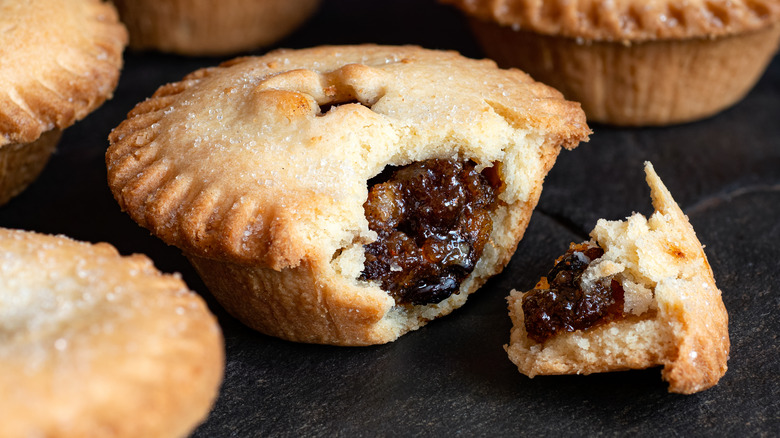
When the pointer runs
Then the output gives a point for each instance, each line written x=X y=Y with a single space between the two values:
x=237 y=159
x=96 y=344
x=627 y=20
x=60 y=61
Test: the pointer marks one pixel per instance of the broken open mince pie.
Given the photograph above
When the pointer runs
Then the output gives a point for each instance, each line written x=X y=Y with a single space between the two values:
x=639 y=294
x=342 y=195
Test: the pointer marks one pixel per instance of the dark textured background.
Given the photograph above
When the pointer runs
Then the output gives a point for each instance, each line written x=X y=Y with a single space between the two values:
x=452 y=377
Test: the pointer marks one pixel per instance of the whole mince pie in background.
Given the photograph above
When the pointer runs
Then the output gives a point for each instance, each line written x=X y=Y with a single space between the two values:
x=211 y=27
x=95 y=344
x=639 y=294
x=60 y=61
x=634 y=62
x=342 y=195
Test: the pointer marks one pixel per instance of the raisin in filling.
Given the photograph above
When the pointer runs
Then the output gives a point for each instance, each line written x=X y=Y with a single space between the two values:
x=565 y=306
x=432 y=220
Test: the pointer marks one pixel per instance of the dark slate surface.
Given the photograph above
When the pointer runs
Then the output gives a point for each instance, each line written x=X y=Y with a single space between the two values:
x=453 y=377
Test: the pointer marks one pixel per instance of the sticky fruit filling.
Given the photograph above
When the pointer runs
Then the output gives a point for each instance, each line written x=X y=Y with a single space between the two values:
x=433 y=220
x=561 y=304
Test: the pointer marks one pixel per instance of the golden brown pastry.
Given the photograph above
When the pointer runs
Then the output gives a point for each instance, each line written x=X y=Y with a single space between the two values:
x=211 y=27
x=639 y=294
x=60 y=61
x=319 y=192
x=632 y=62
x=96 y=344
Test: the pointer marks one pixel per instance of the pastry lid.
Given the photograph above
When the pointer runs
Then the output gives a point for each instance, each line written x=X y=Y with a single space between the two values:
x=627 y=20
x=267 y=158
x=60 y=61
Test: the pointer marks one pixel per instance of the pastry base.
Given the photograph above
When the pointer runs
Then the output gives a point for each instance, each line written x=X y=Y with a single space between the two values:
x=638 y=84
x=312 y=303
x=211 y=27
x=21 y=163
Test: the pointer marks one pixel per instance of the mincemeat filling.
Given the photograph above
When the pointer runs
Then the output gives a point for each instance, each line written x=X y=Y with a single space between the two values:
x=433 y=220
x=565 y=306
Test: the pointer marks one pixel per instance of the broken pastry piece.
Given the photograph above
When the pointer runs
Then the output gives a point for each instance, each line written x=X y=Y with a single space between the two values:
x=343 y=195
x=634 y=62
x=639 y=294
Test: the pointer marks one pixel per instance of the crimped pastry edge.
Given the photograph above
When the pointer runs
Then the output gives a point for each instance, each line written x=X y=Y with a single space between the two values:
x=627 y=20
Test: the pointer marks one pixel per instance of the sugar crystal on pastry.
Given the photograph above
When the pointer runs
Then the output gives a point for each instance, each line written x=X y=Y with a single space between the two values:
x=268 y=202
